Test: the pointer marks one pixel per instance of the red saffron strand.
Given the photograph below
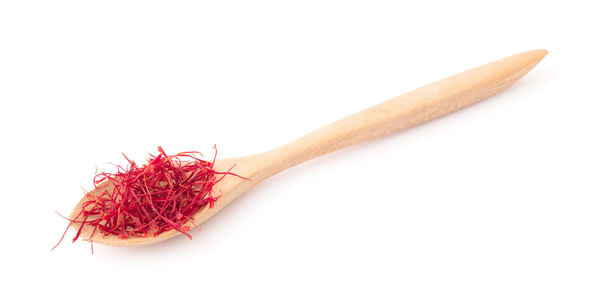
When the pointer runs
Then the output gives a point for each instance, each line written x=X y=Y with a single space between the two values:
x=150 y=199
x=66 y=230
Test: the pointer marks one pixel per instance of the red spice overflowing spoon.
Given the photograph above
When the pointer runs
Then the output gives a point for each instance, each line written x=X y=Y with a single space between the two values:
x=167 y=196
x=148 y=200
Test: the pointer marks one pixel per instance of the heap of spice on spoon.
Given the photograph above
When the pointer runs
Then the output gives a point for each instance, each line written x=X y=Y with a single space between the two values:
x=171 y=194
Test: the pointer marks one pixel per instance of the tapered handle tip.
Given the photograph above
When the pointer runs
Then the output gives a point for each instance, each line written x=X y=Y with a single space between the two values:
x=536 y=55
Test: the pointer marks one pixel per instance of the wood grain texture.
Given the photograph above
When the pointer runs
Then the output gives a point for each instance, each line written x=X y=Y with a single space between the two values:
x=413 y=108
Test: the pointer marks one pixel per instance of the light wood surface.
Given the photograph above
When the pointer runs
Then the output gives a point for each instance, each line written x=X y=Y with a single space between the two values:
x=413 y=108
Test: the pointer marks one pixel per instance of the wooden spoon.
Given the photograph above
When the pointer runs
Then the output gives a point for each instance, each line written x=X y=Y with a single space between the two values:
x=413 y=108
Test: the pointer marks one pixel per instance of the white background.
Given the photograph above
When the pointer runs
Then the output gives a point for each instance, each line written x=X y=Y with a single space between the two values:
x=502 y=197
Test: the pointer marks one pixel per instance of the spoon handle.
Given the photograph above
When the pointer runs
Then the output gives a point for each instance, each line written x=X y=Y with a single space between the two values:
x=413 y=108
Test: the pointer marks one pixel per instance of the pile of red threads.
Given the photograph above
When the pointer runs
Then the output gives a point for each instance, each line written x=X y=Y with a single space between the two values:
x=147 y=200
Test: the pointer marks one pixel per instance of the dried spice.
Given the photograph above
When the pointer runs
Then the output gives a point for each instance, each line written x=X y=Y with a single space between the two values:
x=147 y=200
